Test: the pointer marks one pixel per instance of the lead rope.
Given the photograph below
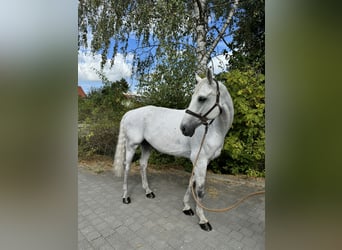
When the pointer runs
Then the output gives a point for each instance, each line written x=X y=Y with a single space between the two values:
x=218 y=210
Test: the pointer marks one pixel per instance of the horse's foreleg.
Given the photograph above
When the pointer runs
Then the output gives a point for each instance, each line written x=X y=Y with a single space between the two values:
x=187 y=209
x=200 y=173
x=145 y=154
x=130 y=151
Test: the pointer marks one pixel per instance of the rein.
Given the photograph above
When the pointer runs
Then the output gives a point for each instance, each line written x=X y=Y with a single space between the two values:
x=204 y=121
x=204 y=118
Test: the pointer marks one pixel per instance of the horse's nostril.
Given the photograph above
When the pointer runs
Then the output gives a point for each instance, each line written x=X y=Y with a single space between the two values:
x=186 y=131
x=183 y=129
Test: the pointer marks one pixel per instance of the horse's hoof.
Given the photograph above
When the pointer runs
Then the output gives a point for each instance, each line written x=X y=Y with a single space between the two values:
x=206 y=226
x=189 y=212
x=150 y=195
x=126 y=200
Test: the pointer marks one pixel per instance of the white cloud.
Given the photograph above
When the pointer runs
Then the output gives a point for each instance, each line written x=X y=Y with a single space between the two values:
x=87 y=62
x=218 y=64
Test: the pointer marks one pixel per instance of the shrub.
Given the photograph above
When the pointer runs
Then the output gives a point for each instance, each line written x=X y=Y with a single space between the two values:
x=98 y=138
x=165 y=160
x=244 y=147
x=99 y=118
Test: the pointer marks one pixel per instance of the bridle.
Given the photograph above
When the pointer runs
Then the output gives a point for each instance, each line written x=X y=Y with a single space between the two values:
x=203 y=118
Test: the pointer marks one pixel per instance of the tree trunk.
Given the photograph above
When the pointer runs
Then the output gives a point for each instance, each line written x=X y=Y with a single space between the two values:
x=203 y=52
x=201 y=18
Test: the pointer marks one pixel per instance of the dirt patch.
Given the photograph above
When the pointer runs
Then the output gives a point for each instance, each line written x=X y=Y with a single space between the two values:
x=99 y=164
x=212 y=192
x=96 y=164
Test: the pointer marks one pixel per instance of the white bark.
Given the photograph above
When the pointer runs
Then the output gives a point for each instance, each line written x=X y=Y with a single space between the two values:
x=223 y=29
x=201 y=18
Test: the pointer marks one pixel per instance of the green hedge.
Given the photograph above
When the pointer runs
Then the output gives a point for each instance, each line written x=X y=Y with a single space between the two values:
x=99 y=116
x=98 y=138
x=244 y=147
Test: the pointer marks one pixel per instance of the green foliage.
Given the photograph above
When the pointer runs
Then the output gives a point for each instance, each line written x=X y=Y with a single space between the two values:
x=164 y=160
x=99 y=118
x=153 y=24
x=176 y=84
x=186 y=163
x=255 y=173
x=248 y=36
x=244 y=147
x=106 y=102
x=98 y=138
x=163 y=30
x=161 y=159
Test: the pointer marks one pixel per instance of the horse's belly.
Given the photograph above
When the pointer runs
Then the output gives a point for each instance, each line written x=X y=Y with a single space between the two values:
x=170 y=145
x=168 y=140
x=160 y=127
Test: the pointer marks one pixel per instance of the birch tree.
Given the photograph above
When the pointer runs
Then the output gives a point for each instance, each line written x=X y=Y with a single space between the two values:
x=167 y=33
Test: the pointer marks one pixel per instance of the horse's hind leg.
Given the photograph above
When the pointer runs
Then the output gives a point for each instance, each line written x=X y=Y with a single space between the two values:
x=130 y=151
x=145 y=154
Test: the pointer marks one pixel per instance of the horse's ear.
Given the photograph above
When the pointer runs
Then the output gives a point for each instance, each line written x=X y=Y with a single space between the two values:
x=198 y=78
x=210 y=76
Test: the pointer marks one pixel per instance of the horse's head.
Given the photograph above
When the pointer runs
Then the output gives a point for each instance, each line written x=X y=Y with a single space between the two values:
x=204 y=105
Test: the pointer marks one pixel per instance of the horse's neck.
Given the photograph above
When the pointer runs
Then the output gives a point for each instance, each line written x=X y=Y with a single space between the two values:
x=221 y=124
x=224 y=121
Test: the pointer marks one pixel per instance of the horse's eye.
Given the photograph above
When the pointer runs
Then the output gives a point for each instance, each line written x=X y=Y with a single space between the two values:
x=202 y=99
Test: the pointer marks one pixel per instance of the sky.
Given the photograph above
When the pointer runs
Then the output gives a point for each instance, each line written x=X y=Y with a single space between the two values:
x=87 y=77
x=122 y=68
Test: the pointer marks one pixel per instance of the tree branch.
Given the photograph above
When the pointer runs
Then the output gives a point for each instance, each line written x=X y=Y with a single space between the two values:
x=150 y=47
x=199 y=4
x=224 y=40
x=223 y=29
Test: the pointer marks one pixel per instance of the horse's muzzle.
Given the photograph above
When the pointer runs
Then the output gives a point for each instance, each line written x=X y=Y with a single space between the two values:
x=187 y=131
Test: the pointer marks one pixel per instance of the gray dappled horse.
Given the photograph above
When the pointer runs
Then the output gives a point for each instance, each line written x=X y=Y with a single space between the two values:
x=178 y=133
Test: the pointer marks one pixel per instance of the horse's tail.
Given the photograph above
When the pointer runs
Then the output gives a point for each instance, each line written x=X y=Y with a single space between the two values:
x=119 y=158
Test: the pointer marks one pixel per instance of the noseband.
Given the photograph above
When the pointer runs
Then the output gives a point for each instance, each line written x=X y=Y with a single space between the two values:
x=204 y=118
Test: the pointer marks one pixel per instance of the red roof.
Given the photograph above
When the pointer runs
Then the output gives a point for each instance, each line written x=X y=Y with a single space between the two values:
x=81 y=93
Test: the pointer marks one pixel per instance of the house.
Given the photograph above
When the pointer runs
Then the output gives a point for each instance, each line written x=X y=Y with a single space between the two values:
x=81 y=93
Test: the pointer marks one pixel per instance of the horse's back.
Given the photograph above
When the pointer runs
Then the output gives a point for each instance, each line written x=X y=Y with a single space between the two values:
x=149 y=114
x=135 y=116
x=159 y=126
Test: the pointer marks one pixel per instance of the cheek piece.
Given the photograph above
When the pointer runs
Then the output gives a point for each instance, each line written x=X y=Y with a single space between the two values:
x=203 y=118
